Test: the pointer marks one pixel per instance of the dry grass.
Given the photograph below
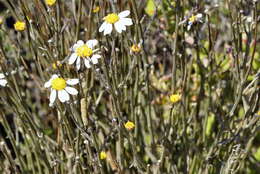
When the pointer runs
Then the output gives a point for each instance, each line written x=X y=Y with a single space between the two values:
x=213 y=66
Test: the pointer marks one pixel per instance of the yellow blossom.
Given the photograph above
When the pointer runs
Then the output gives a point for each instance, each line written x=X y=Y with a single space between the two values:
x=174 y=98
x=258 y=113
x=135 y=48
x=112 y=18
x=19 y=26
x=50 y=2
x=58 y=84
x=1 y=20
x=96 y=10
x=129 y=125
x=193 y=18
x=56 y=65
x=84 y=51
x=102 y=155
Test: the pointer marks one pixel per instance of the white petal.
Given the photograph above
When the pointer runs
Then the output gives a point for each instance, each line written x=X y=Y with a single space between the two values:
x=126 y=21
x=102 y=27
x=87 y=63
x=63 y=96
x=71 y=90
x=2 y=76
x=75 y=46
x=108 y=29
x=72 y=81
x=53 y=96
x=199 y=15
x=78 y=63
x=95 y=50
x=119 y=27
x=47 y=84
x=72 y=58
x=3 y=82
x=92 y=43
x=94 y=58
x=124 y=13
x=189 y=26
x=54 y=76
x=78 y=44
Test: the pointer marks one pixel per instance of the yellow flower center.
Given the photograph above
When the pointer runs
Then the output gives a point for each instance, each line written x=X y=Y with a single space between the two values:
x=50 y=2
x=84 y=51
x=19 y=26
x=95 y=10
x=192 y=18
x=175 y=98
x=56 y=65
x=129 y=125
x=135 y=48
x=1 y=20
x=58 y=83
x=102 y=155
x=112 y=18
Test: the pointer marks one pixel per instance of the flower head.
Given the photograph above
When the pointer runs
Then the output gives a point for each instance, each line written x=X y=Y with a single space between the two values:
x=85 y=52
x=129 y=125
x=60 y=85
x=56 y=65
x=102 y=155
x=3 y=81
x=96 y=9
x=1 y=20
x=50 y=2
x=19 y=26
x=193 y=19
x=118 y=20
x=258 y=113
x=136 y=48
x=174 y=98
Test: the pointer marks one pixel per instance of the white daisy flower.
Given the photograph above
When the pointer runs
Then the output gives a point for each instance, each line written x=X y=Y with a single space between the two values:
x=193 y=19
x=59 y=85
x=3 y=81
x=119 y=20
x=84 y=51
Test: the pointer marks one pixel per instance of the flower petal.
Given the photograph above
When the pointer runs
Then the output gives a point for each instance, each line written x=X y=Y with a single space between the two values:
x=71 y=90
x=87 y=63
x=2 y=76
x=108 y=29
x=3 y=82
x=72 y=81
x=102 y=27
x=78 y=44
x=92 y=43
x=199 y=15
x=78 y=63
x=53 y=96
x=124 y=13
x=119 y=27
x=126 y=21
x=54 y=76
x=72 y=58
x=94 y=58
x=63 y=96
x=47 y=84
